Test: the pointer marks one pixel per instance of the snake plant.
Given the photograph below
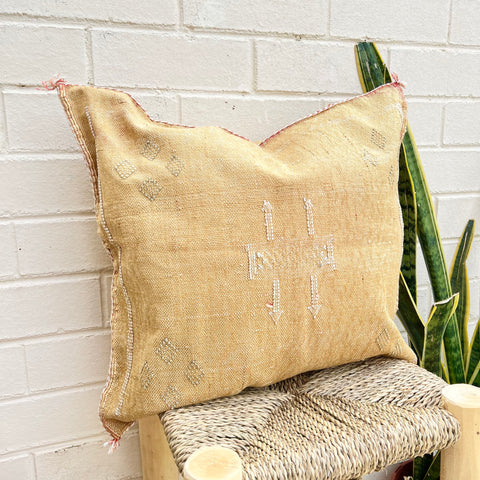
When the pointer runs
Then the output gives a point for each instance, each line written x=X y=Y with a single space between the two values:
x=441 y=342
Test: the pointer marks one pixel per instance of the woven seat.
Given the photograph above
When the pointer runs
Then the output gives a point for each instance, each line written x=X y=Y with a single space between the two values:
x=338 y=424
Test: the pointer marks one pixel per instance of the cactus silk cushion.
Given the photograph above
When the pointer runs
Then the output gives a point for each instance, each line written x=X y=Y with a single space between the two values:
x=240 y=264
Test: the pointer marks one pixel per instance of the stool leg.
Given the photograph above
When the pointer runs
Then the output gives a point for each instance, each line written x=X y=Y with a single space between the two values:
x=157 y=459
x=462 y=460
x=213 y=463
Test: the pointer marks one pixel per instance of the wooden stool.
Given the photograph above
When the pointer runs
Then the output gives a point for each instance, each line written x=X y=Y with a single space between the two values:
x=338 y=424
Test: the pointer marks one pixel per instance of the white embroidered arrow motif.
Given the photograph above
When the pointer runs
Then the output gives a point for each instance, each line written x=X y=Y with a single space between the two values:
x=275 y=311
x=315 y=306
x=309 y=212
x=267 y=210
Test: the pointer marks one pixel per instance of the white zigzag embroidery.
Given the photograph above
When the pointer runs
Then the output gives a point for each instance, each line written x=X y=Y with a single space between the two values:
x=309 y=213
x=267 y=210
x=315 y=305
x=275 y=311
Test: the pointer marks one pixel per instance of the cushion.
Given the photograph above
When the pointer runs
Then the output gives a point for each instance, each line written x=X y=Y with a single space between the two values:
x=240 y=264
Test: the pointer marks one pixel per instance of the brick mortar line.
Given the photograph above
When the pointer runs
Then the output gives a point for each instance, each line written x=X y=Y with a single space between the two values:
x=179 y=109
x=89 y=56
x=47 y=337
x=204 y=32
x=47 y=279
x=52 y=447
x=455 y=240
x=34 y=459
x=27 y=217
x=18 y=89
x=4 y=120
x=443 y=116
x=466 y=193
x=44 y=156
x=27 y=379
x=105 y=299
x=40 y=156
x=296 y=38
x=15 y=240
x=254 y=57
x=52 y=218
x=457 y=146
x=329 y=17
x=460 y=195
x=98 y=331
x=450 y=147
x=450 y=19
x=46 y=151
x=78 y=22
x=181 y=15
x=45 y=275
x=54 y=392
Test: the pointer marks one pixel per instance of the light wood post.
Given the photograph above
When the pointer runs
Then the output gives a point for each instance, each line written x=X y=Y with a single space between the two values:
x=462 y=460
x=157 y=459
x=213 y=463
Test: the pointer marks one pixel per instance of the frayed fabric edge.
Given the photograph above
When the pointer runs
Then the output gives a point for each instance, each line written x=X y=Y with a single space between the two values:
x=52 y=83
x=112 y=444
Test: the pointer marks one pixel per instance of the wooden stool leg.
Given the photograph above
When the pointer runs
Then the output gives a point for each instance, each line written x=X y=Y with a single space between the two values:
x=157 y=459
x=213 y=463
x=462 y=460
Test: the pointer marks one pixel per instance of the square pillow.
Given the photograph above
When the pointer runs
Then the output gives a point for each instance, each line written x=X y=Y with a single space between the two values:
x=239 y=264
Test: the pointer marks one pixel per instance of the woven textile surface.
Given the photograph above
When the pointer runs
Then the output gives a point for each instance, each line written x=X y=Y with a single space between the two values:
x=239 y=264
x=337 y=424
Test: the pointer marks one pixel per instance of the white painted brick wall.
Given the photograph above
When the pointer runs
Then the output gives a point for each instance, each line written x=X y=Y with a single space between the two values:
x=160 y=60
x=36 y=122
x=8 y=252
x=402 y=22
x=286 y=16
x=20 y=467
x=251 y=66
x=252 y=116
x=43 y=356
x=44 y=184
x=60 y=245
x=12 y=359
x=459 y=127
x=305 y=66
x=464 y=22
x=29 y=50
x=68 y=304
x=164 y=12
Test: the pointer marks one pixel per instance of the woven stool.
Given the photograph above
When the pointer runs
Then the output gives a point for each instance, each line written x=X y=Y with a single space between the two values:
x=337 y=424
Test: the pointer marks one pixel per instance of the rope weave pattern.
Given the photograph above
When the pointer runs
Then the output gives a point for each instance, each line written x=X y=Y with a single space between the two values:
x=337 y=424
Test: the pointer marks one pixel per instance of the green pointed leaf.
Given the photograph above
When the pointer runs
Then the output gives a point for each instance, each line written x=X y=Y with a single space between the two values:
x=421 y=466
x=473 y=359
x=410 y=318
x=409 y=213
x=475 y=379
x=433 y=472
x=373 y=73
x=432 y=250
x=459 y=283
x=437 y=323
x=444 y=376
x=371 y=69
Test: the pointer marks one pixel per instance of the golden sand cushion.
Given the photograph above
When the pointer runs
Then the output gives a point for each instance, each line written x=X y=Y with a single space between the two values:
x=239 y=264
